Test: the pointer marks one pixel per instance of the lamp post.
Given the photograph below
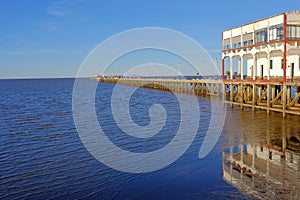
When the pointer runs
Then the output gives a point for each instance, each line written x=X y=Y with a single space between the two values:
x=179 y=70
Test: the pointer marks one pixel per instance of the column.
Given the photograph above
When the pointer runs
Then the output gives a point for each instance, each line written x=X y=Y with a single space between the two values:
x=230 y=67
x=268 y=65
x=254 y=68
x=242 y=67
x=239 y=66
x=223 y=68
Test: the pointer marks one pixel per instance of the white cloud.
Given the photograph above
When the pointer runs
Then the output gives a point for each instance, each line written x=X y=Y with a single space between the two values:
x=58 y=8
x=56 y=11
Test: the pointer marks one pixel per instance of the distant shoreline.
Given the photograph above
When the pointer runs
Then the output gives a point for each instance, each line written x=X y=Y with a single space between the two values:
x=42 y=78
x=49 y=78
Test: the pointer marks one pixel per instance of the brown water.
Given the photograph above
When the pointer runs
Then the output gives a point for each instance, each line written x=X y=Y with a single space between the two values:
x=261 y=154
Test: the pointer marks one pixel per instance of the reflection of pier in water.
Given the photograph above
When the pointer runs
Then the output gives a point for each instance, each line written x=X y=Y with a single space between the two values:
x=267 y=166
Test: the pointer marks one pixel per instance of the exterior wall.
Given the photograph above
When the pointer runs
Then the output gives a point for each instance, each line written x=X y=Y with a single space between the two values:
x=293 y=18
x=262 y=62
x=250 y=28
x=276 y=20
x=264 y=40
x=277 y=69
x=293 y=59
x=250 y=65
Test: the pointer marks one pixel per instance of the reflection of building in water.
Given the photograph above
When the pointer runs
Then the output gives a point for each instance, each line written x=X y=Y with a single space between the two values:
x=268 y=171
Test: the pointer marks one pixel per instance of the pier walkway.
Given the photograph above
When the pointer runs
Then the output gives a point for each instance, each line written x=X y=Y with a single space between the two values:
x=270 y=95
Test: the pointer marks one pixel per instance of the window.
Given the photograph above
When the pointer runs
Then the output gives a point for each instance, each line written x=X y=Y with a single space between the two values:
x=236 y=45
x=271 y=64
x=293 y=32
x=273 y=34
x=276 y=33
x=279 y=33
x=261 y=148
x=261 y=36
x=226 y=47
x=288 y=32
x=282 y=63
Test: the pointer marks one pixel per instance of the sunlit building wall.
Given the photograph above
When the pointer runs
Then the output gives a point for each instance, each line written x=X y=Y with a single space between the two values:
x=265 y=49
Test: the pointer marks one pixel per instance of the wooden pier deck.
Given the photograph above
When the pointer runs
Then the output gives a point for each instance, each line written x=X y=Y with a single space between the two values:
x=266 y=95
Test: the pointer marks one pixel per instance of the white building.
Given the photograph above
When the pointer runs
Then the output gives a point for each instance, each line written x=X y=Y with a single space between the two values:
x=267 y=49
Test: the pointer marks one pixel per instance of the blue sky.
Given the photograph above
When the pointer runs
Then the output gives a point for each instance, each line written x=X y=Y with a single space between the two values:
x=52 y=38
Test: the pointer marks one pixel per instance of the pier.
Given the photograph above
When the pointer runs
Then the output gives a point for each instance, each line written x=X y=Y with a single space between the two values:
x=269 y=96
x=198 y=87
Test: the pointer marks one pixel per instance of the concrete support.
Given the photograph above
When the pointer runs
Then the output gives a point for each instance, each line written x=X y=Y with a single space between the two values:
x=231 y=67
x=268 y=65
x=242 y=67
x=239 y=66
x=254 y=68
x=223 y=68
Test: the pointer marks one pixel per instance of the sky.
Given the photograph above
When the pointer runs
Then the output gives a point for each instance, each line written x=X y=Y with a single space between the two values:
x=51 y=39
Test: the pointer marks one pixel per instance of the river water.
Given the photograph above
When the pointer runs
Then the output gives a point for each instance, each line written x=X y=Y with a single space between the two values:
x=42 y=156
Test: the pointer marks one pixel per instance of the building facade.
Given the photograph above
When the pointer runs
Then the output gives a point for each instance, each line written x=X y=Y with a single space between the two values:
x=268 y=49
